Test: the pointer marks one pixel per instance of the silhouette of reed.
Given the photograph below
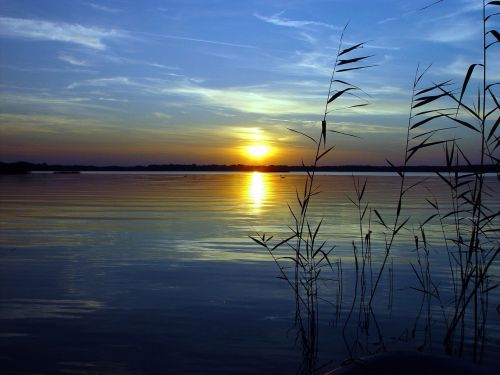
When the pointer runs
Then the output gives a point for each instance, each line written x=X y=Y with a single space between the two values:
x=308 y=257
x=469 y=227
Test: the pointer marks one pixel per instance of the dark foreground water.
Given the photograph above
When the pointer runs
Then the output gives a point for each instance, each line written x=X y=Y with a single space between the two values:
x=155 y=273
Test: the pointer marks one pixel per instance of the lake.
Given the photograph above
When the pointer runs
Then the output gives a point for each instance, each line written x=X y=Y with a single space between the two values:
x=126 y=273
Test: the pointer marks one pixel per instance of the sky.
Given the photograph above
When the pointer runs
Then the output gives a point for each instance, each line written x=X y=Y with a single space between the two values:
x=199 y=81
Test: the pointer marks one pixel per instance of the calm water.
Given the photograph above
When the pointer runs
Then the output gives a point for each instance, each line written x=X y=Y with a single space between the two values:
x=155 y=273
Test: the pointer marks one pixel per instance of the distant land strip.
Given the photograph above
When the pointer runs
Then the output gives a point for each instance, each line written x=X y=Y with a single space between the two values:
x=26 y=167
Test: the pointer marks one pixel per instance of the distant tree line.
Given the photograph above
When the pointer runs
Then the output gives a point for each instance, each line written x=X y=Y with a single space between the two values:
x=26 y=167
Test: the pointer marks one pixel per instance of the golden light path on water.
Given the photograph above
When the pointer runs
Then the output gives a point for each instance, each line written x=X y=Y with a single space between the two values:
x=257 y=190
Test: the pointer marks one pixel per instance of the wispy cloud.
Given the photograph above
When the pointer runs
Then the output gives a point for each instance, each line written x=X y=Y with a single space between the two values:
x=299 y=97
x=161 y=66
x=458 y=67
x=463 y=7
x=410 y=13
x=122 y=84
x=50 y=103
x=277 y=100
x=196 y=40
x=454 y=31
x=278 y=20
x=14 y=122
x=460 y=24
x=249 y=99
x=72 y=60
x=45 y=70
x=317 y=63
x=91 y=37
x=125 y=60
x=363 y=128
x=145 y=85
x=104 y=8
x=163 y=116
x=306 y=37
x=107 y=99
x=104 y=82
x=389 y=19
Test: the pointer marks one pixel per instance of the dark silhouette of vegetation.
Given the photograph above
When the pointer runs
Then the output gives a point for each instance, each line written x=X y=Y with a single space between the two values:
x=470 y=228
x=9 y=168
x=438 y=112
x=309 y=256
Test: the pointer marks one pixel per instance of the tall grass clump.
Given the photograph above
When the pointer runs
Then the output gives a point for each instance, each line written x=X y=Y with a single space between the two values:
x=469 y=227
x=304 y=258
x=439 y=114
x=442 y=115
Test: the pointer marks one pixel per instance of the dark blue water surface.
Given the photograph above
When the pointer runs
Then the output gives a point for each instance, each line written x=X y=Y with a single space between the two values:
x=155 y=273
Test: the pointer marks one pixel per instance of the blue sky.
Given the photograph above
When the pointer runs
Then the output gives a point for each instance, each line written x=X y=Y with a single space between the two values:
x=197 y=81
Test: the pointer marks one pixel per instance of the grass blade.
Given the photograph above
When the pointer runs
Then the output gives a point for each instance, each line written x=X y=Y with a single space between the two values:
x=495 y=34
x=359 y=67
x=433 y=110
x=434 y=131
x=401 y=226
x=428 y=99
x=324 y=153
x=423 y=91
x=283 y=242
x=356 y=46
x=432 y=204
x=494 y=128
x=339 y=93
x=428 y=219
x=353 y=60
x=380 y=219
x=323 y=132
x=466 y=81
x=396 y=169
x=339 y=132
x=416 y=125
x=305 y=135
x=464 y=123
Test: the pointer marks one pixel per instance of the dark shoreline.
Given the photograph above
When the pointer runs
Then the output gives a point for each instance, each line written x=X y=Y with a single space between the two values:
x=26 y=167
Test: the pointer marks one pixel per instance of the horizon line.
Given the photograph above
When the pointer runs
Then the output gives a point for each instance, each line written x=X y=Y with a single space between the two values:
x=30 y=166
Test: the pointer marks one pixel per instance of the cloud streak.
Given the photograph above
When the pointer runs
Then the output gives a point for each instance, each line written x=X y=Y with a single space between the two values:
x=72 y=60
x=277 y=20
x=248 y=100
x=90 y=37
x=104 y=9
x=104 y=82
x=196 y=40
x=454 y=31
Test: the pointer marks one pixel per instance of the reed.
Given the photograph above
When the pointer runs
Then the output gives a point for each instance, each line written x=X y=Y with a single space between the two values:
x=469 y=227
x=309 y=257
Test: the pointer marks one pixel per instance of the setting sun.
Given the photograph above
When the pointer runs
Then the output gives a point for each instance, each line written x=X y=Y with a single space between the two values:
x=257 y=151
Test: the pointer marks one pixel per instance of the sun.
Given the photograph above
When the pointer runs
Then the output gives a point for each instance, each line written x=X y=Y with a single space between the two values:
x=257 y=151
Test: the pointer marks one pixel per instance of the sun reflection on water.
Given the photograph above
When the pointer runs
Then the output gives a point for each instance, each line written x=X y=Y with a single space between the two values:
x=257 y=189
